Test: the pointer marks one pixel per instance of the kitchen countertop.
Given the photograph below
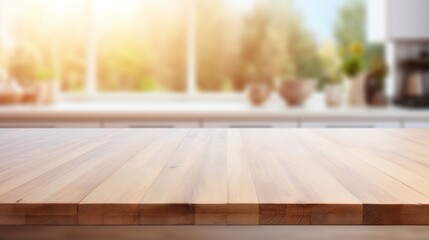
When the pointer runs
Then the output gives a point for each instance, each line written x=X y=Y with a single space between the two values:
x=214 y=176
x=99 y=110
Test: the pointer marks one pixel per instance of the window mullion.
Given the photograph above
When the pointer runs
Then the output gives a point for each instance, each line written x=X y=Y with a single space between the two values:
x=191 y=54
x=91 y=72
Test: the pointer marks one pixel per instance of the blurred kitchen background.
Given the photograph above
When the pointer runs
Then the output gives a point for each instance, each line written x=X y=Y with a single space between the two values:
x=214 y=63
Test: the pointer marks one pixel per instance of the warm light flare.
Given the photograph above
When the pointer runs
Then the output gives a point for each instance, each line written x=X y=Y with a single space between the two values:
x=241 y=5
x=162 y=45
x=109 y=11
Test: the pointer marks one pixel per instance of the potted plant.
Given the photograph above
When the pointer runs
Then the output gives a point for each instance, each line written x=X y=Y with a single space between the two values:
x=297 y=83
x=256 y=61
x=10 y=90
x=47 y=86
x=331 y=74
x=354 y=76
x=297 y=66
x=296 y=90
x=333 y=90
x=258 y=89
x=374 y=84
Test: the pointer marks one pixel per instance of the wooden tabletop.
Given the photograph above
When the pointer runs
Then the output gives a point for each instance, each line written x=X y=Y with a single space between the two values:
x=214 y=176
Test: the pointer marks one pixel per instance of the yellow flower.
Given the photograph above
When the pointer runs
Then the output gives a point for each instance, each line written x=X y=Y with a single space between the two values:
x=356 y=48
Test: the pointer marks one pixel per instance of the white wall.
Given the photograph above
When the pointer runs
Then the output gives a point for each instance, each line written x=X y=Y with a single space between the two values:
x=376 y=22
x=408 y=19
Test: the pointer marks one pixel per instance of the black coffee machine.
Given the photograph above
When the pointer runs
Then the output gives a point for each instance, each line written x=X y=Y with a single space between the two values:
x=413 y=85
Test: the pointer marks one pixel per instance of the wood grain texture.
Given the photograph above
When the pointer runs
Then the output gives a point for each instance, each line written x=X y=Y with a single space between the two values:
x=214 y=176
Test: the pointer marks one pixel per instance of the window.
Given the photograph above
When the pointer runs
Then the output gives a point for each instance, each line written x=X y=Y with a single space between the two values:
x=72 y=44
x=141 y=45
x=171 y=46
x=217 y=36
x=44 y=38
x=245 y=41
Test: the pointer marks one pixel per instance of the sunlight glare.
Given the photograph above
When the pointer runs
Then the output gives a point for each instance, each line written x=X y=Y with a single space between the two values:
x=111 y=10
x=57 y=7
x=241 y=5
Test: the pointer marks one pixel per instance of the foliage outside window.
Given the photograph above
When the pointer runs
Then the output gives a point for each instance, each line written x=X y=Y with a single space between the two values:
x=44 y=35
x=144 y=46
x=141 y=46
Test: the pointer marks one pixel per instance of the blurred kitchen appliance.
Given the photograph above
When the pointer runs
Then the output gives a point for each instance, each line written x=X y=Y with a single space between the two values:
x=412 y=75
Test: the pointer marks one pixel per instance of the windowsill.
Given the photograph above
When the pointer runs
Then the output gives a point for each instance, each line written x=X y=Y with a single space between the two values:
x=153 y=97
x=186 y=107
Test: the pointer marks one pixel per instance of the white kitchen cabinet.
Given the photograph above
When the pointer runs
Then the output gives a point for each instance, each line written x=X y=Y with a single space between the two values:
x=50 y=124
x=397 y=20
x=351 y=124
x=151 y=124
x=250 y=124
x=408 y=19
x=376 y=22
x=416 y=123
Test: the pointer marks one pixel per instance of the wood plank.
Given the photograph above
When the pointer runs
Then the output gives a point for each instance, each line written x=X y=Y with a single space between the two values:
x=71 y=181
x=377 y=189
x=130 y=182
x=214 y=176
x=171 y=195
x=241 y=188
x=210 y=195
x=315 y=190
x=38 y=214
x=46 y=161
